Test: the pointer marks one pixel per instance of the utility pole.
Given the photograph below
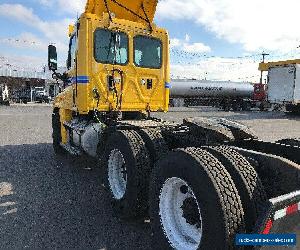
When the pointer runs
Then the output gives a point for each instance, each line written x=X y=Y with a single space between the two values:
x=263 y=61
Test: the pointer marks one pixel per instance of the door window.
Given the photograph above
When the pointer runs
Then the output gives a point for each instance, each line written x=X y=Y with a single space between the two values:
x=72 y=52
x=110 y=47
x=147 y=52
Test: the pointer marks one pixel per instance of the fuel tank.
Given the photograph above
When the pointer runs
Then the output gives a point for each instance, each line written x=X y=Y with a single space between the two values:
x=204 y=88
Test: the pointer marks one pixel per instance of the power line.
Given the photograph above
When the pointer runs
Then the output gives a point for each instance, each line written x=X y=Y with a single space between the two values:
x=17 y=40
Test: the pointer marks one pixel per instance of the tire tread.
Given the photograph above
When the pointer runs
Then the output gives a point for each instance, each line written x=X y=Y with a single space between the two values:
x=230 y=200
x=249 y=184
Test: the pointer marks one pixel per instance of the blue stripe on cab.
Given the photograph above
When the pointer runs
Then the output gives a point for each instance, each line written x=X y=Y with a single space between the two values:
x=167 y=85
x=80 y=79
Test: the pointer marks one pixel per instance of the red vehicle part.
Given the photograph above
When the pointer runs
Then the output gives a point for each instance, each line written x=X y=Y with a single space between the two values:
x=260 y=92
x=281 y=215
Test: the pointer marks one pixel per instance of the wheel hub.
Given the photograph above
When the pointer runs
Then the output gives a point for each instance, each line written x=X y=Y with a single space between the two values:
x=180 y=215
x=117 y=174
x=191 y=212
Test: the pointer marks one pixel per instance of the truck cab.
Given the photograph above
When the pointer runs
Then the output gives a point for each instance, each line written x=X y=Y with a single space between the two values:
x=117 y=61
x=260 y=92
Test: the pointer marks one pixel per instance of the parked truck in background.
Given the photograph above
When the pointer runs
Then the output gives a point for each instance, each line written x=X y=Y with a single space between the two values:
x=200 y=182
x=225 y=95
x=260 y=96
x=31 y=94
x=40 y=95
x=284 y=83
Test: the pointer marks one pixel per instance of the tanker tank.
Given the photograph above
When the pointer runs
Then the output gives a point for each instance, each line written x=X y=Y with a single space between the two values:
x=216 y=89
x=223 y=94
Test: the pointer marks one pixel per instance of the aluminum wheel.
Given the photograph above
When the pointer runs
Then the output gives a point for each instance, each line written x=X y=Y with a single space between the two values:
x=180 y=215
x=117 y=174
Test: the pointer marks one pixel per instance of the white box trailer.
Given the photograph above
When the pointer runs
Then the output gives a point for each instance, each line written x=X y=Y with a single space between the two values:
x=284 y=85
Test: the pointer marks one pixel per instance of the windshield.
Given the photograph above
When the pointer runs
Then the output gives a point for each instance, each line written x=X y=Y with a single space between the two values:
x=111 y=47
x=147 y=52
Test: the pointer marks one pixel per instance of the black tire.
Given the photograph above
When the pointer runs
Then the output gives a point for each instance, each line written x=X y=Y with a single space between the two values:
x=214 y=189
x=226 y=107
x=246 y=106
x=293 y=109
x=262 y=106
x=236 y=106
x=56 y=132
x=155 y=143
x=246 y=179
x=134 y=203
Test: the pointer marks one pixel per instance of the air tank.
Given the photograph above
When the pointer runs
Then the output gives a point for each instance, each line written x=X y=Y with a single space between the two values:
x=214 y=89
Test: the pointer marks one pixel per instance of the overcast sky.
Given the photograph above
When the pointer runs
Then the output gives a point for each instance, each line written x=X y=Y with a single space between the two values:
x=216 y=39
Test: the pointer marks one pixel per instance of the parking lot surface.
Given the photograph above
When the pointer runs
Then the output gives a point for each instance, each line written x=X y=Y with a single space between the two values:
x=47 y=202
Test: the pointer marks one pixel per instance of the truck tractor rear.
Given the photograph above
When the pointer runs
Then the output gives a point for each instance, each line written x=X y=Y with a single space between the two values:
x=200 y=182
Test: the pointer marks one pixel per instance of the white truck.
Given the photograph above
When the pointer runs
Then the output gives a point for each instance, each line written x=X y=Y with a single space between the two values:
x=284 y=86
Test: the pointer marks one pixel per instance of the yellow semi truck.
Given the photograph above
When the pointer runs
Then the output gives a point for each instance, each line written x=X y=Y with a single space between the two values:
x=200 y=182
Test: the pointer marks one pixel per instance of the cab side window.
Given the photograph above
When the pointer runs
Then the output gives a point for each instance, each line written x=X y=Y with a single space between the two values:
x=72 y=52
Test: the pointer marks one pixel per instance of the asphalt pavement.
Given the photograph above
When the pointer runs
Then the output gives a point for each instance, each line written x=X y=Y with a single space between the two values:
x=50 y=203
x=47 y=202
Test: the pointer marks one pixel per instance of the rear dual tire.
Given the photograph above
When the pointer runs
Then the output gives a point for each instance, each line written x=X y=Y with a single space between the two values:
x=194 y=202
x=126 y=165
x=217 y=213
x=155 y=143
x=247 y=181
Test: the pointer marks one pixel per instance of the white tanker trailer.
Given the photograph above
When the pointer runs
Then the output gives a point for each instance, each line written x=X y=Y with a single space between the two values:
x=224 y=94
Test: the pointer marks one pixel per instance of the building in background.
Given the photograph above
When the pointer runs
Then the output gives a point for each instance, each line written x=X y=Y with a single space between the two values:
x=30 y=89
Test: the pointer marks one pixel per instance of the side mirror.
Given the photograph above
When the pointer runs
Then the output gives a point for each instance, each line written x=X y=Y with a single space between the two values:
x=52 y=58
